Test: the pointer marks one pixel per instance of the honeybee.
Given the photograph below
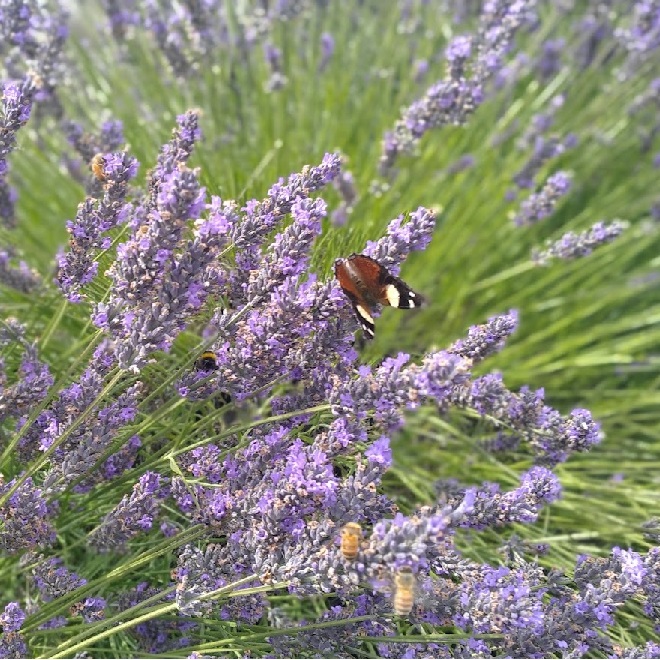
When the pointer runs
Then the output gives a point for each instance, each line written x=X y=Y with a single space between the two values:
x=351 y=537
x=404 y=591
x=207 y=361
x=97 y=167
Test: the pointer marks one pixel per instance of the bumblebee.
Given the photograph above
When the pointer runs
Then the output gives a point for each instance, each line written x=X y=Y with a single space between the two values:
x=207 y=361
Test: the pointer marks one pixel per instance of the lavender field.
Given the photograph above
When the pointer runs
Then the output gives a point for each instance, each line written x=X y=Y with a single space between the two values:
x=203 y=453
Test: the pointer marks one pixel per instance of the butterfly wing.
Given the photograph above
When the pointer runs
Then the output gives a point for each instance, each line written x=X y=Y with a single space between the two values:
x=391 y=290
x=366 y=283
x=396 y=293
x=362 y=308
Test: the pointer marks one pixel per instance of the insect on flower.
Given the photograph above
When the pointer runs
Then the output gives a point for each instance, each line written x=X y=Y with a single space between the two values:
x=367 y=283
x=97 y=167
x=351 y=537
x=404 y=591
x=207 y=361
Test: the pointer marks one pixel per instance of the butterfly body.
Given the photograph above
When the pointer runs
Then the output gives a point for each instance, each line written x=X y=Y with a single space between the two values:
x=367 y=284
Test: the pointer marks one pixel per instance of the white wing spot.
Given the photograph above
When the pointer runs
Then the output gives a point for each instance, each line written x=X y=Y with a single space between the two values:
x=364 y=314
x=411 y=303
x=393 y=296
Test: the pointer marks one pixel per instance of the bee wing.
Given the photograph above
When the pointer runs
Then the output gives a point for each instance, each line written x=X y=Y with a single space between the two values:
x=383 y=585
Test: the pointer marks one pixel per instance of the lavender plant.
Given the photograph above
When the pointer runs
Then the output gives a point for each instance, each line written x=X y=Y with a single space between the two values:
x=495 y=449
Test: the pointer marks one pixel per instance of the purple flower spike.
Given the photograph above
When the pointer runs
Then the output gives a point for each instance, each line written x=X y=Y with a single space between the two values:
x=549 y=61
x=502 y=600
x=89 y=151
x=572 y=245
x=457 y=54
x=17 y=99
x=12 y=645
x=327 y=50
x=401 y=239
x=542 y=146
x=453 y=100
x=95 y=218
x=289 y=254
x=484 y=340
x=52 y=579
x=91 y=609
x=404 y=541
x=160 y=278
x=551 y=436
x=260 y=218
x=641 y=38
x=419 y=70
x=25 y=519
x=133 y=515
x=20 y=277
x=12 y=618
x=490 y=508
x=82 y=449
x=345 y=186
x=542 y=204
x=277 y=80
x=34 y=376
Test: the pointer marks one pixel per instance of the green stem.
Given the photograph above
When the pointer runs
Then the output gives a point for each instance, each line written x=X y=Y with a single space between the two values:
x=246 y=427
x=66 y=650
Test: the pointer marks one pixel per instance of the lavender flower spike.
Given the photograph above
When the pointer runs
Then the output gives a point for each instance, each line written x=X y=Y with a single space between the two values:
x=327 y=50
x=24 y=519
x=159 y=279
x=12 y=618
x=484 y=340
x=540 y=205
x=492 y=508
x=401 y=239
x=34 y=375
x=572 y=245
x=278 y=79
x=134 y=514
x=289 y=254
x=451 y=101
x=21 y=277
x=259 y=218
x=77 y=267
x=52 y=579
x=16 y=107
x=262 y=217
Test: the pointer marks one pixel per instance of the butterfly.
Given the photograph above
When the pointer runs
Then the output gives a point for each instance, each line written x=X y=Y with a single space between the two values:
x=367 y=283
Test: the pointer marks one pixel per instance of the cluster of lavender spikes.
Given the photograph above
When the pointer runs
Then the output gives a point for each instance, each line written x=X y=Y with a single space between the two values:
x=272 y=500
x=32 y=38
x=279 y=500
x=472 y=61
